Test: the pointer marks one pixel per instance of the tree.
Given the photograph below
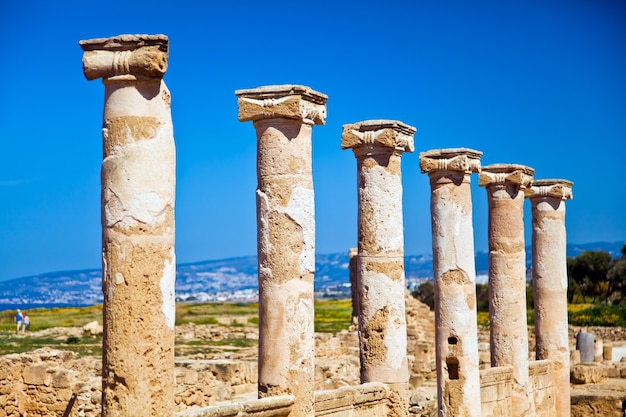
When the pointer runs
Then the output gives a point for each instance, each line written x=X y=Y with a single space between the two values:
x=573 y=288
x=616 y=277
x=425 y=292
x=589 y=270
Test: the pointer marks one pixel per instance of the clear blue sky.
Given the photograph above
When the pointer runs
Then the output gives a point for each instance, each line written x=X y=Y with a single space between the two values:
x=540 y=83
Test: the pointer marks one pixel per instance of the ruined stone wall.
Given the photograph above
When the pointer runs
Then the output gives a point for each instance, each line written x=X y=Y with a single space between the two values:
x=495 y=391
x=420 y=328
x=365 y=400
x=41 y=383
x=542 y=390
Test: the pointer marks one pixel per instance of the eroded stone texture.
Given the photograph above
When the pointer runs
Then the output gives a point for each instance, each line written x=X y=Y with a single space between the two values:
x=283 y=117
x=496 y=392
x=505 y=184
x=542 y=388
x=550 y=282
x=354 y=292
x=456 y=333
x=138 y=187
x=378 y=146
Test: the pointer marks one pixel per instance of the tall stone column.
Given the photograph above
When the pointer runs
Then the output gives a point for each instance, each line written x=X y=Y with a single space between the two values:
x=456 y=334
x=354 y=288
x=378 y=146
x=505 y=184
x=283 y=117
x=138 y=262
x=547 y=198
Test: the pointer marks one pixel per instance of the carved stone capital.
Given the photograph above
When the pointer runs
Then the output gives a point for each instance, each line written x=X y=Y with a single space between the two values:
x=506 y=174
x=386 y=133
x=455 y=159
x=550 y=188
x=282 y=101
x=125 y=57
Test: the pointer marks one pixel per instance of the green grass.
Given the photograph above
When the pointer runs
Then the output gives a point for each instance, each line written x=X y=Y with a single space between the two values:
x=83 y=346
x=332 y=316
x=581 y=315
x=45 y=318
x=208 y=313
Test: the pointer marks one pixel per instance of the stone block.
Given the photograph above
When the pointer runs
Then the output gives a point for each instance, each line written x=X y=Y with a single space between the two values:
x=61 y=379
x=222 y=392
x=602 y=403
x=93 y=328
x=36 y=375
x=484 y=359
x=64 y=395
x=612 y=372
x=588 y=373
x=6 y=387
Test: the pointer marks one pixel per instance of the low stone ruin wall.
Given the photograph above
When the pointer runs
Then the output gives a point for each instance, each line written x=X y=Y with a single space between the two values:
x=266 y=407
x=41 y=383
x=495 y=391
x=542 y=388
x=365 y=400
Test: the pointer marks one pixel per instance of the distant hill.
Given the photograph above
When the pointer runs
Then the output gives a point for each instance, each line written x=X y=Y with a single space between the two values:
x=225 y=279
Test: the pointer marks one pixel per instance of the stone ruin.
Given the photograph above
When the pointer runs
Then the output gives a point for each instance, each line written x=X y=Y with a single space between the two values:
x=139 y=374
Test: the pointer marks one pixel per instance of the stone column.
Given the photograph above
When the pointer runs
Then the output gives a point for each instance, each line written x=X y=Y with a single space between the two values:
x=585 y=344
x=354 y=292
x=378 y=146
x=550 y=281
x=138 y=262
x=505 y=184
x=283 y=117
x=456 y=334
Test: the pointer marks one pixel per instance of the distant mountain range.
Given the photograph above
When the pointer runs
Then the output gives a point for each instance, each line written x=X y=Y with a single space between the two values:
x=226 y=279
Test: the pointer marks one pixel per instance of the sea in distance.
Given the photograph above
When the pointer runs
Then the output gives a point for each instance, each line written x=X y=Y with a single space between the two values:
x=32 y=306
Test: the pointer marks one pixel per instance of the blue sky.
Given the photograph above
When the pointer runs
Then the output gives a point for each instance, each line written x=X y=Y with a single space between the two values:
x=540 y=83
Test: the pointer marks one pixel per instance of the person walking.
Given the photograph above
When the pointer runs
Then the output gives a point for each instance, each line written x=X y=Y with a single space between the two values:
x=19 y=317
x=26 y=322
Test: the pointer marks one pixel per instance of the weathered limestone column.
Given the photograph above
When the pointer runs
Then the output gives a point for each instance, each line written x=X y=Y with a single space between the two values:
x=283 y=117
x=550 y=281
x=138 y=262
x=505 y=184
x=354 y=292
x=378 y=146
x=456 y=334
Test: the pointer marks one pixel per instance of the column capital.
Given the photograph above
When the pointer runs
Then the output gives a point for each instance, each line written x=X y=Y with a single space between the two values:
x=125 y=57
x=453 y=159
x=386 y=133
x=550 y=188
x=282 y=101
x=506 y=174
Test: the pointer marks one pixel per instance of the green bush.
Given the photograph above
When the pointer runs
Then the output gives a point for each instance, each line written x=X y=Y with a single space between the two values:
x=597 y=315
x=72 y=340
